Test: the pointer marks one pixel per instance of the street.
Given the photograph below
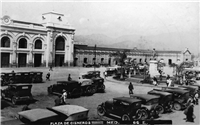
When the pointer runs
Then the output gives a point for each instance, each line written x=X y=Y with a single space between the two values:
x=113 y=89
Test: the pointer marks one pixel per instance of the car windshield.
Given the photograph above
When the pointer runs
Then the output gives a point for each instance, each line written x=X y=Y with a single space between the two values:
x=152 y=101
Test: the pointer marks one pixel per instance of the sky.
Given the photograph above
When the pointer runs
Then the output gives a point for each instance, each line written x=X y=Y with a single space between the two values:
x=114 y=18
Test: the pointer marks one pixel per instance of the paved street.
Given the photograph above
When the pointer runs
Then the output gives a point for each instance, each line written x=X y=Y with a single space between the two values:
x=113 y=89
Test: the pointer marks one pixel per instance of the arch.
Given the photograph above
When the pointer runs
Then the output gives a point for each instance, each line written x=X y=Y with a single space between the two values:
x=5 y=42
x=10 y=36
x=169 y=61
x=60 y=43
x=38 y=44
x=22 y=43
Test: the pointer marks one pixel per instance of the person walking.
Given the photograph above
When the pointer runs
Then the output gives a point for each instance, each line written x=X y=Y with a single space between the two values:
x=190 y=113
x=48 y=76
x=50 y=68
x=130 y=87
x=69 y=77
x=105 y=75
x=169 y=81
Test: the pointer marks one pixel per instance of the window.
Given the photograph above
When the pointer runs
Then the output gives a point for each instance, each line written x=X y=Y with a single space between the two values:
x=170 y=61
x=22 y=43
x=38 y=44
x=5 y=42
x=60 y=43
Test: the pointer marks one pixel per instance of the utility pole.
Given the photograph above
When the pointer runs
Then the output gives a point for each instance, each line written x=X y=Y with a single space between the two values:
x=95 y=56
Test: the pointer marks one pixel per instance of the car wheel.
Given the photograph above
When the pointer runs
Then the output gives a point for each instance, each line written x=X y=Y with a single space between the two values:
x=177 y=106
x=103 y=87
x=49 y=90
x=14 y=100
x=159 y=109
x=88 y=90
x=143 y=114
x=125 y=117
x=101 y=111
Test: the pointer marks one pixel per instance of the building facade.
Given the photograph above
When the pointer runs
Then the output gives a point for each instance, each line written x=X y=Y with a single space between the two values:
x=37 y=44
x=51 y=42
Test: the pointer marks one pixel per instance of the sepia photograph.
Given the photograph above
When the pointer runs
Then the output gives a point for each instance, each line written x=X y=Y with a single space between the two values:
x=98 y=62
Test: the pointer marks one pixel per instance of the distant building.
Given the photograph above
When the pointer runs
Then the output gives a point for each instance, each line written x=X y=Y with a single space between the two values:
x=51 y=42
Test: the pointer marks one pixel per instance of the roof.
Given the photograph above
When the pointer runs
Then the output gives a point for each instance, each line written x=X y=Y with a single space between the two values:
x=93 y=71
x=190 y=87
x=127 y=99
x=179 y=91
x=159 y=93
x=20 y=84
x=68 y=82
x=69 y=109
x=37 y=114
x=145 y=96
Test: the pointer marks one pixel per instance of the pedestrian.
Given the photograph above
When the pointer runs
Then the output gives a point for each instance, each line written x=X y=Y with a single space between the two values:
x=131 y=88
x=26 y=107
x=105 y=75
x=155 y=81
x=64 y=96
x=169 y=81
x=190 y=113
x=196 y=98
x=48 y=76
x=50 y=68
x=69 y=77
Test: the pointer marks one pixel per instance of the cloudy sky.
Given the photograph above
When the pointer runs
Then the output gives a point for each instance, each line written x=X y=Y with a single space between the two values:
x=115 y=18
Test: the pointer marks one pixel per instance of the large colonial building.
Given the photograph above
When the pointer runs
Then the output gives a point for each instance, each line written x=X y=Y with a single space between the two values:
x=51 y=42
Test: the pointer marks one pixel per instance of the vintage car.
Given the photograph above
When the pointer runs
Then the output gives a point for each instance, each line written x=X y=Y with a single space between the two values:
x=98 y=82
x=17 y=92
x=36 y=77
x=192 y=90
x=87 y=87
x=124 y=108
x=22 y=77
x=149 y=103
x=7 y=78
x=179 y=97
x=111 y=71
x=73 y=88
x=58 y=114
x=165 y=100
x=198 y=86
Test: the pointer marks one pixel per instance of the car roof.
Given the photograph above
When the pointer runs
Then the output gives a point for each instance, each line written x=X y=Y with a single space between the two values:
x=69 y=109
x=37 y=114
x=93 y=71
x=190 y=87
x=179 y=91
x=160 y=92
x=73 y=81
x=127 y=99
x=82 y=80
x=145 y=96
x=20 y=84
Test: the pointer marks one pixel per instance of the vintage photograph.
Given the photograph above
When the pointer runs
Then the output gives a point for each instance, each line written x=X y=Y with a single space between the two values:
x=100 y=62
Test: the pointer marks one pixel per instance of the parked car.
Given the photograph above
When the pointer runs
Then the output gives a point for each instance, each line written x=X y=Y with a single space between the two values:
x=36 y=77
x=17 y=92
x=58 y=113
x=87 y=87
x=179 y=97
x=192 y=89
x=98 y=82
x=111 y=71
x=125 y=108
x=149 y=103
x=7 y=78
x=73 y=88
x=198 y=86
x=165 y=100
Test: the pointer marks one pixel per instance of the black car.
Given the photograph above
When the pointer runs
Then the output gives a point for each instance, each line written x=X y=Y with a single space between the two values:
x=36 y=77
x=73 y=88
x=87 y=87
x=192 y=90
x=111 y=71
x=179 y=97
x=124 y=108
x=7 y=78
x=165 y=100
x=17 y=92
x=98 y=82
x=149 y=103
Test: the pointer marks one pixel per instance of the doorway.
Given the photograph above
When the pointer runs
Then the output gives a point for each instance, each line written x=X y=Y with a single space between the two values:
x=5 y=59
x=37 y=60
x=22 y=60
x=59 y=60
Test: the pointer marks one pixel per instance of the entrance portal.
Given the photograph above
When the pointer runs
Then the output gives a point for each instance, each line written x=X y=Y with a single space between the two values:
x=59 y=59
x=22 y=60
x=37 y=60
x=5 y=59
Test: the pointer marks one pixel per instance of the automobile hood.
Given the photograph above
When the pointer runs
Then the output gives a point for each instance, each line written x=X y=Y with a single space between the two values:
x=37 y=114
x=69 y=109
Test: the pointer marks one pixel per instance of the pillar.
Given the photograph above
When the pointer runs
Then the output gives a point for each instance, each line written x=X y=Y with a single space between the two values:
x=153 y=68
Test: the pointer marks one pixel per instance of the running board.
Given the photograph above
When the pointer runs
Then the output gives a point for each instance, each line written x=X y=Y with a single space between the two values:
x=115 y=115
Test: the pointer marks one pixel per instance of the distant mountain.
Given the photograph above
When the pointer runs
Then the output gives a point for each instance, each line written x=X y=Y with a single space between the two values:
x=170 y=41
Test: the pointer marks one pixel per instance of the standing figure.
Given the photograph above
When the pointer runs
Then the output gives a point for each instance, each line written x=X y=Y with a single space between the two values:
x=190 y=113
x=105 y=75
x=169 y=81
x=64 y=96
x=50 y=68
x=130 y=87
x=69 y=77
x=196 y=98
x=48 y=76
x=155 y=81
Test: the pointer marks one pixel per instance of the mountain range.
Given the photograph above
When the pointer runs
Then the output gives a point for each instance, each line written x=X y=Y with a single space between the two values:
x=168 y=41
